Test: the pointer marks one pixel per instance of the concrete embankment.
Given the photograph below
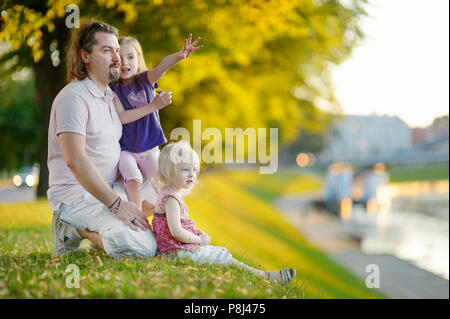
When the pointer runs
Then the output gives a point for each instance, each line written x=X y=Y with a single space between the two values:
x=398 y=279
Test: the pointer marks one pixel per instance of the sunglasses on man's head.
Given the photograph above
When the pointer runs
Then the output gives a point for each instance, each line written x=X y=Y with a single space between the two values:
x=94 y=27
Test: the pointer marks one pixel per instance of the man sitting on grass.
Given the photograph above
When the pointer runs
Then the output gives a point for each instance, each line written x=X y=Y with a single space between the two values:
x=84 y=150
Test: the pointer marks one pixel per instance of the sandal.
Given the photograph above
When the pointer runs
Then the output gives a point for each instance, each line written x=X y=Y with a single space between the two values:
x=287 y=275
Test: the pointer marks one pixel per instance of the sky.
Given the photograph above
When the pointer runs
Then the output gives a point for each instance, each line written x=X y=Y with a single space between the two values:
x=402 y=67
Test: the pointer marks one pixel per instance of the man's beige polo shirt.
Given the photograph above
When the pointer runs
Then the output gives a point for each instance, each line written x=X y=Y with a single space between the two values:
x=80 y=107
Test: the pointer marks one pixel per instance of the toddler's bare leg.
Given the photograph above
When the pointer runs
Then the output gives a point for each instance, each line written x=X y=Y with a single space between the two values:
x=259 y=273
x=256 y=272
x=147 y=208
x=133 y=190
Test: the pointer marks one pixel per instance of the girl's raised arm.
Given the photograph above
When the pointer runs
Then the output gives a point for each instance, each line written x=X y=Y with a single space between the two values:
x=171 y=60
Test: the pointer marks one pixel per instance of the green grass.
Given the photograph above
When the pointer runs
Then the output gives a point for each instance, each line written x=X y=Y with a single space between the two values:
x=28 y=269
x=221 y=205
x=270 y=186
x=418 y=173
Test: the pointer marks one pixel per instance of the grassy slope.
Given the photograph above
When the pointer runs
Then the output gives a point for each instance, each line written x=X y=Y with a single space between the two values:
x=418 y=173
x=222 y=205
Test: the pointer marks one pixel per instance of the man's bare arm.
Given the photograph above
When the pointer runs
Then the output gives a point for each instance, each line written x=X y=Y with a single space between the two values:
x=84 y=170
x=73 y=150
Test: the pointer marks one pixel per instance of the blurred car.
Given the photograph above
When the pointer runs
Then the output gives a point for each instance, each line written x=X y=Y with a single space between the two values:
x=27 y=176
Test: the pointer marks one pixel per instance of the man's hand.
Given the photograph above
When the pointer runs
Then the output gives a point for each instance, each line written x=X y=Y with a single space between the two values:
x=128 y=212
x=188 y=47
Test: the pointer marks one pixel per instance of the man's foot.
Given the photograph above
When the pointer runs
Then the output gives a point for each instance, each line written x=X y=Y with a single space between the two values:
x=284 y=276
x=95 y=239
x=92 y=246
x=65 y=237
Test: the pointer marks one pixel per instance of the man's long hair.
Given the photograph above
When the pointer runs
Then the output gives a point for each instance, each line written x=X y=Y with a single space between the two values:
x=83 y=38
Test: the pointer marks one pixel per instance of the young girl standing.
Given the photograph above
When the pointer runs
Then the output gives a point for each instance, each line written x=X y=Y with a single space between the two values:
x=175 y=232
x=137 y=106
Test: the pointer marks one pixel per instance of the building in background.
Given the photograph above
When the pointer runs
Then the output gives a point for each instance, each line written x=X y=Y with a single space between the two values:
x=433 y=138
x=366 y=139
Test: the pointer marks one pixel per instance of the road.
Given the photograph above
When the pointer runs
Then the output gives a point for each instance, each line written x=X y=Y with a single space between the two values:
x=14 y=195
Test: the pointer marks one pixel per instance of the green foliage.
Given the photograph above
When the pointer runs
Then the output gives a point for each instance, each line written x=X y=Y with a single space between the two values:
x=443 y=118
x=307 y=142
x=19 y=125
x=265 y=63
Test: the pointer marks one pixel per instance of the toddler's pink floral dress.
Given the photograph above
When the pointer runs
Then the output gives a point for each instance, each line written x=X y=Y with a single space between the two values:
x=168 y=245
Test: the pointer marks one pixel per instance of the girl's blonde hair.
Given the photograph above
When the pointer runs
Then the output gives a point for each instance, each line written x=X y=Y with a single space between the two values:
x=170 y=157
x=137 y=47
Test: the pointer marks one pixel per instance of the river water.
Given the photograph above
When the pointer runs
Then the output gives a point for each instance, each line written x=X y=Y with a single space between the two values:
x=415 y=228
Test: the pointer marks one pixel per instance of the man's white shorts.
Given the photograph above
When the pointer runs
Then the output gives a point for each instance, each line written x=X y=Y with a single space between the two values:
x=90 y=214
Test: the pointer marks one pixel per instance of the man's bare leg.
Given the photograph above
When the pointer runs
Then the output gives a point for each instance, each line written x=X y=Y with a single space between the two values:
x=95 y=238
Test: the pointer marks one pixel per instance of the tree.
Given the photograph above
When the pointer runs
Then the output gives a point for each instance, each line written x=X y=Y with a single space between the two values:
x=19 y=125
x=265 y=63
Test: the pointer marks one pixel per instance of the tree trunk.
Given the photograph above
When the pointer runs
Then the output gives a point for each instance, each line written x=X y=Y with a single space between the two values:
x=49 y=81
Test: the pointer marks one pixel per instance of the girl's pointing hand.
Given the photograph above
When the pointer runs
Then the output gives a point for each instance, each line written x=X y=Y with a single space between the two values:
x=188 y=47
